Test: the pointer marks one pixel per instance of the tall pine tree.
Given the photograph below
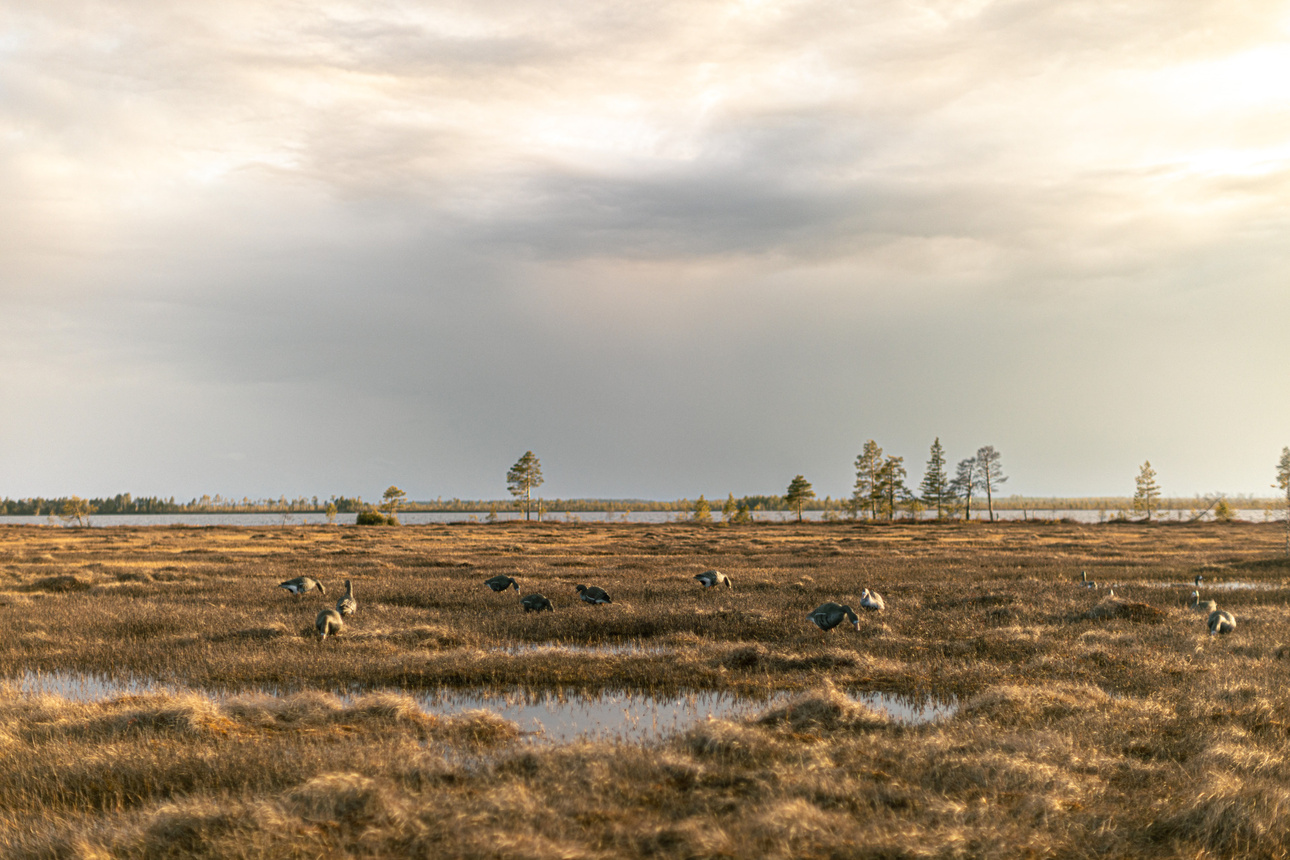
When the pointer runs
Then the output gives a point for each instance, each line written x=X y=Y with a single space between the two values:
x=935 y=487
x=868 y=466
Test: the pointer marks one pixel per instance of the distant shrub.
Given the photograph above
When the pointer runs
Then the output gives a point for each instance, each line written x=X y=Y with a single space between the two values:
x=375 y=518
x=1224 y=512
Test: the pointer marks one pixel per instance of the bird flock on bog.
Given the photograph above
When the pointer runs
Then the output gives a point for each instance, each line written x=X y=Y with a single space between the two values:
x=826 y=616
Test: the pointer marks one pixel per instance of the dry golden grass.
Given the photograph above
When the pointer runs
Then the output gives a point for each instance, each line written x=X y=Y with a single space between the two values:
x=1082 y=731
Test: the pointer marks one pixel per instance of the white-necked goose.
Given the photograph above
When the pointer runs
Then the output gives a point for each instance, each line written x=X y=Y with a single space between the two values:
x=301 y=584
x=713 y=578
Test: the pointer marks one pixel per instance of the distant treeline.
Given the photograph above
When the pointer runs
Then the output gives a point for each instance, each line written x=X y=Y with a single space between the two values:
x=125 y=503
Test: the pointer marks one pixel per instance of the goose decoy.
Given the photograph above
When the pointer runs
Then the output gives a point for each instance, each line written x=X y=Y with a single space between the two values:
x=301 y=584
x=1221 y=621
x=501 y=582
x=536 y=603
x=1206 y=606
x=593 y=594
x=826 y=616
x=713 y=578
x=347 y=605
x=328 y=622
x=1083 y=576
x=872 y=601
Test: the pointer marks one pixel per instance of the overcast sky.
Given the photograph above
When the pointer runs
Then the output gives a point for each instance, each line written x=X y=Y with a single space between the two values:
x=308 y=248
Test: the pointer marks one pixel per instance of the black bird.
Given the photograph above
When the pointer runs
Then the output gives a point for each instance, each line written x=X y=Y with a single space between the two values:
x=536 y=603
x=826 y=616
x=713 y=578
x=501 y=582
x=593 y=594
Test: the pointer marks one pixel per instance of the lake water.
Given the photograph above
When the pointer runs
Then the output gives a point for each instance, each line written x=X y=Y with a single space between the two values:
x=439 y=517
x=545 y=717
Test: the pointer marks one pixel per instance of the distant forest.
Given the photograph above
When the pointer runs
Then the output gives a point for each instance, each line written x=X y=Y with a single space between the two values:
x=125 y=503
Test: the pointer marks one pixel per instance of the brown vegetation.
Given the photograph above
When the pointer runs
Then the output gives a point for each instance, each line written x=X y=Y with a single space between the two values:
x=1087 y=725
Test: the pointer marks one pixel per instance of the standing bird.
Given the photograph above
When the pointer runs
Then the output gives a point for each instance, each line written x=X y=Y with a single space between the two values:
x=301 y=584
x=872 y=600
x=713 y=578
x=1206 y=606
x=1083 y=576
x=1221 y=621
x=328 y=622
x=826 y=616
x=501 y=582
x=347 y=605
x=536 y=603
x=1198 y=580
x=593 y=594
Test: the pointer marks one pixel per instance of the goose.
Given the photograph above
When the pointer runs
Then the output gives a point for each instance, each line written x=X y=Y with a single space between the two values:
x=1083 y=576
x=593 y=594
x=347 y=605
x=1206 y=606
x=1198 y=580
x=328 y=622
x=826 y=616
x=1221 y=621
x=1090 y=584
x=873 y=601
x=713 y=578
x=501 y=582
x=301 y=584
x=536 y=603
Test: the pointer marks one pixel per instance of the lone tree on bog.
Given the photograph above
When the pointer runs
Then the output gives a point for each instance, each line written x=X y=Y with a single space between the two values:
x=523 y=478
x=799 y=490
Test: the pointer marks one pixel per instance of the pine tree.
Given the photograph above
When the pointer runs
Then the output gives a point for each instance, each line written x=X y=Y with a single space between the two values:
x=702 y=510
x=1147 y=492
x=729 y=509
x=523 y=478
x=890 y=488
x=799 y=490
x=935 y=486
x=391 y=500
x=866 y=494
x=964 y=483
x=1283 y=482
x=989 y=474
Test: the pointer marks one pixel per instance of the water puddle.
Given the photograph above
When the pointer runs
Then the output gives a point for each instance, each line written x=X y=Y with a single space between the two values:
x=545 y=717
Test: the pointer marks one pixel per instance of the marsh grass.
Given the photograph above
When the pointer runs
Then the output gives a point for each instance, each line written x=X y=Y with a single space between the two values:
x=1081 y=731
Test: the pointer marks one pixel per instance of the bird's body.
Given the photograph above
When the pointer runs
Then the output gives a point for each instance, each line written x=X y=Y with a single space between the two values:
x=713 y=578
x=501 y=582
x=1206 y=606
x=328 y=623
x=826 y=616
x=536 y=603
x=593 y=594
x=347 y=605
x=301 y=584
x=1221 y=621
x=872 y=601
x=1090 y=584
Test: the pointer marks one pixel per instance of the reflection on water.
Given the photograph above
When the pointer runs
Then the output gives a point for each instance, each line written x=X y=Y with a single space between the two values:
x=549 y=717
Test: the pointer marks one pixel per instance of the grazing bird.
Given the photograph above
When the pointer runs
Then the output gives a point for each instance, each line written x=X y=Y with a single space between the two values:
x=536 y=603
x=873 y=601
x=1206 y=606
x=713 y=578
x=826 y=616
x=328 y=622
x=593 y=594
x=501 y=582
x=1221 y=621
x=301 y=584
x=1090 y=584
x=347 y=605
